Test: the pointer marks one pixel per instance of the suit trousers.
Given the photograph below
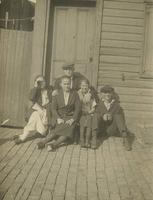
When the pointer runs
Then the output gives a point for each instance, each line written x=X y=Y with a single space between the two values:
x=116 y=125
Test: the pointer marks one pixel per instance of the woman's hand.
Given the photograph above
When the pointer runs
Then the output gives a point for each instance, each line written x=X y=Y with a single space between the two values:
x=69 y=122
x=38 y=81
x=55 y=93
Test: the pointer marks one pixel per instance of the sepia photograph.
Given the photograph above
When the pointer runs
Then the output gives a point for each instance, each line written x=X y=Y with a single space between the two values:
x=76 y=99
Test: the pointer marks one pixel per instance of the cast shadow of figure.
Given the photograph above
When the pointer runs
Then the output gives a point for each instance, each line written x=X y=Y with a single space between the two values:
x=35 y=136
x=103 y=135
x=4 y=140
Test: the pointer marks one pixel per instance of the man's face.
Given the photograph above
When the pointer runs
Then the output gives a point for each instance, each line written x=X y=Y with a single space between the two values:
x=68 y=72
x=65 y=84
x=107 y=96
x=84 y=87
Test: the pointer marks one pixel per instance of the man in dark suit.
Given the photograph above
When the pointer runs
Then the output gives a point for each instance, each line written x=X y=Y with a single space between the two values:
x=66 y=108
x=111 y=116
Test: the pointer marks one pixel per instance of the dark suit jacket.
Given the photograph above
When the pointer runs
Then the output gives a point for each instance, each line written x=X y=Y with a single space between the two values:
x=71 y=110
x=114 y=109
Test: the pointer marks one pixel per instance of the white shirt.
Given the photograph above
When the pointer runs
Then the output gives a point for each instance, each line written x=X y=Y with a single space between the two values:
x=45 y=99
x=71 y=82
x=66 y=97
x=108 y=104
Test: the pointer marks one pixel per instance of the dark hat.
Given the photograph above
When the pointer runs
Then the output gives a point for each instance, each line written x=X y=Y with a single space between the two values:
x=107 y=89
x=68 y=66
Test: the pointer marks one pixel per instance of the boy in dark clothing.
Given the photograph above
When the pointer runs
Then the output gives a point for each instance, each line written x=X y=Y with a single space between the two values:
x=110 y=115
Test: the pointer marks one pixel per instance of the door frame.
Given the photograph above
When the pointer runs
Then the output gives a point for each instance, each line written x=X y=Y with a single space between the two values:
x=49 y=45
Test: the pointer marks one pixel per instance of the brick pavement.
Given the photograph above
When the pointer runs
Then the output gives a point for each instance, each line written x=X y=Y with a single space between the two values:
x=72 y=173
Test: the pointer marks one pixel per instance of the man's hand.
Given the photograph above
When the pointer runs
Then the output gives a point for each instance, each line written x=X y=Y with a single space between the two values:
x=107 y=117
x=69 y=122
x=54 y=93
x=60 y=121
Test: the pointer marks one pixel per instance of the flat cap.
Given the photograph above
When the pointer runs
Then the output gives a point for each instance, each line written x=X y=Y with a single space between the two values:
x=68 y=66
x=107 y=89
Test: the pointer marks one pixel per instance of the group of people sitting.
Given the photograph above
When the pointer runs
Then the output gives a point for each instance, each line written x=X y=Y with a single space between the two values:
x=71 y=108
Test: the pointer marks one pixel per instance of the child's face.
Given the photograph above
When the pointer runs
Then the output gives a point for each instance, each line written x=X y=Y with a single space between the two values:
x=107 y=96
x=84 y=87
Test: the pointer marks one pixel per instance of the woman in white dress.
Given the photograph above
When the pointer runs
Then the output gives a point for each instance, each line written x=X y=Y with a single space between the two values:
x=39 y=116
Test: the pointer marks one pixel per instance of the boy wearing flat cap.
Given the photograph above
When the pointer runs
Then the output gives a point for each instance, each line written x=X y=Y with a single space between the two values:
x=111 y=116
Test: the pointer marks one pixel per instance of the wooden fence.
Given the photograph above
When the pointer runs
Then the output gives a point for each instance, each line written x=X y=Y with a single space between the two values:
x=15 y=64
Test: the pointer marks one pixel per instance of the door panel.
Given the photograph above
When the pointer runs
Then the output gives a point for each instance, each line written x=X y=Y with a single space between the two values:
x=73 y=40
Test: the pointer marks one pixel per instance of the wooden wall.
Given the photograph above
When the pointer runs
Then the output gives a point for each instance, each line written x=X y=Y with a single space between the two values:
x=121 y=55
x=15 y=64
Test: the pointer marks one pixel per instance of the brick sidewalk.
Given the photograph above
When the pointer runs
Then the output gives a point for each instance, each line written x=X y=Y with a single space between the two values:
x=71 y=173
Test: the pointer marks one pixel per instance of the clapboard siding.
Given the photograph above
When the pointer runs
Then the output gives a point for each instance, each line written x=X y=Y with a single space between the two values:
x=123 y=13
x=130 y=1
x=121 y=36
x=120 y=52
x=118 y=67
x=121 y=55
x=122 y=44
x=15 y=64
x=124 y=5
x=120 y=59
x=122 y=29
x=123 y=21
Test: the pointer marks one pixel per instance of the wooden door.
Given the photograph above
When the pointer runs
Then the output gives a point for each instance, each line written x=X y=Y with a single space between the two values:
x=73 y=40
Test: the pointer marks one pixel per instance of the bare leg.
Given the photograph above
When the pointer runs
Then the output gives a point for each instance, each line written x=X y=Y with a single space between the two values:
x=94 y=139
x=82 y=142
x=87 y=137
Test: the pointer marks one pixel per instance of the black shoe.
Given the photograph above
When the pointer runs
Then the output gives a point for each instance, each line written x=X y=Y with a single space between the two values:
x=14 y=137
x=93 y=147
x=87 y=145
x=82 y=144
x=126 y=144
x=40 y=145
x=51 y=147
x=18 y=141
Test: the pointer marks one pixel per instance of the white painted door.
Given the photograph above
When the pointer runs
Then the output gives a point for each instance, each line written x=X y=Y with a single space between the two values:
x=73 y=40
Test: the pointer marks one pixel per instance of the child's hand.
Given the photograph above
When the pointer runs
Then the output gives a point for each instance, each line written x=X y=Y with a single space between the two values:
x=69 y=122
x=105 y=117
x=60 y=121
x=109 y=117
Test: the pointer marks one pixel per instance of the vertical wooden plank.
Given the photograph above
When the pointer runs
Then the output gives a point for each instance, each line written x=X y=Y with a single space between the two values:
x=99 y=16
x=40 y=24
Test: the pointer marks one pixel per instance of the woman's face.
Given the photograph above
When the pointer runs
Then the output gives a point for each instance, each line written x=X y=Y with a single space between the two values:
x=107 y=96
x=43 y=84
x=84 y=87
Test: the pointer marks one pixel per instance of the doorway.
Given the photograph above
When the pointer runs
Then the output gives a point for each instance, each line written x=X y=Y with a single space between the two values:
x=73 y=40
